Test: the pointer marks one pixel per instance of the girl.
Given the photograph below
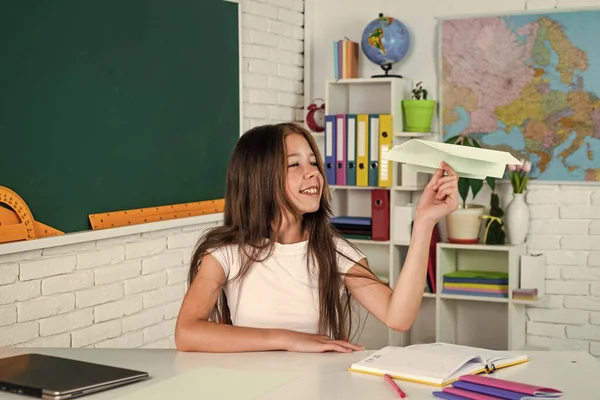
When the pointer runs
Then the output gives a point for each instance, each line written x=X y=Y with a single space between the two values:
x=276 y=275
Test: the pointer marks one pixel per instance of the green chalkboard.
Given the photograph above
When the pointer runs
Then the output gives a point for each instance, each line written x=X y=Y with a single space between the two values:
x=108 y=105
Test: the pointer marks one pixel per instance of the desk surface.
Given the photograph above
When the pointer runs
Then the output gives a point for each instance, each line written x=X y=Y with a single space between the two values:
x=318 y=376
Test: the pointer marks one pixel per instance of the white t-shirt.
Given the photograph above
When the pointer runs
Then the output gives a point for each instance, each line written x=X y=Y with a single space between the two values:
x=279 y=292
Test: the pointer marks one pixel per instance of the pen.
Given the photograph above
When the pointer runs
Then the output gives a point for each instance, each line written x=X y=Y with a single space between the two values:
x=394 y=386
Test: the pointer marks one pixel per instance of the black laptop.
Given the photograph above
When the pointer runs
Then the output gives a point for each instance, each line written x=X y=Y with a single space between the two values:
x=50 y=377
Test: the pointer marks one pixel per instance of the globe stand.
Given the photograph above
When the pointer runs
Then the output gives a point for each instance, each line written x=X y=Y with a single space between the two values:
x=387 y=68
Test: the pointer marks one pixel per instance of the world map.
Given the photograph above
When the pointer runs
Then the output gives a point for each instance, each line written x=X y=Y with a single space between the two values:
x=527 y=84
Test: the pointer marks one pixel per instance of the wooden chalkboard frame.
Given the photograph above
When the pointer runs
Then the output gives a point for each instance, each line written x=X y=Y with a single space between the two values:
x=61 y=181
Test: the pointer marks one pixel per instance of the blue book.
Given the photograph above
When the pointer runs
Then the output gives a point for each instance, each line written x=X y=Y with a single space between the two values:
x=469 y=293
x=349 y=220
x=477 y=280
x=448 y=396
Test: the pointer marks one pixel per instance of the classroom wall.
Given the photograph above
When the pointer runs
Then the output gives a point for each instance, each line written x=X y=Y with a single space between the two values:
x=569 y=215
x=272 y=46
x=126 y=290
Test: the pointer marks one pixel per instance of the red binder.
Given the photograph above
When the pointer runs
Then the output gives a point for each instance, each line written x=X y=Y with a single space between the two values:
x=380 y=214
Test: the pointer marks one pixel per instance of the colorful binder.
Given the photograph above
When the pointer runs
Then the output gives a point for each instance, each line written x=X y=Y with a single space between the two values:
x=340 y=151
x=373 y=150
x=385 y=144
x=351 y=150
x=380 y=214
x=330 y=141
x=362 y=150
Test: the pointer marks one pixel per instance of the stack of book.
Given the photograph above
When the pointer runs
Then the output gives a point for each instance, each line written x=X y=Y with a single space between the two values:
x=345 y=59
x=476 y=283
x=353 y=227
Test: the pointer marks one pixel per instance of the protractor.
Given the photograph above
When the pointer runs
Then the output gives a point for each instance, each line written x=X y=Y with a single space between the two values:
x=12 y=207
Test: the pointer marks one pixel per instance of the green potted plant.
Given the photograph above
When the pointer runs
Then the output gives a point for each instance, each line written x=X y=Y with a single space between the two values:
x=418 y=111
x=464 y=224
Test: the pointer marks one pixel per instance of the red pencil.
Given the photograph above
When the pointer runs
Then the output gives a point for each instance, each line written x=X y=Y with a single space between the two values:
x=394 y=386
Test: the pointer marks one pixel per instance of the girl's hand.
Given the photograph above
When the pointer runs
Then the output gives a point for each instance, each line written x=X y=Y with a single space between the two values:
x=310 y=343
x=440 y=196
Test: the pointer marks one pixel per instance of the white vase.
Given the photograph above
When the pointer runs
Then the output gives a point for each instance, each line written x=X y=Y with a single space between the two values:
x=517 y=219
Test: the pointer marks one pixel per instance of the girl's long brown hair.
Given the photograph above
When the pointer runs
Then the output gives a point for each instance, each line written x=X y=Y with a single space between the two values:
x=255 y=207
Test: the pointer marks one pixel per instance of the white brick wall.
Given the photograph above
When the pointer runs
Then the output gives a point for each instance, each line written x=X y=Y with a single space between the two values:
x=272 y=50
x=119 y=292
x=126 y=291
x=565 y=225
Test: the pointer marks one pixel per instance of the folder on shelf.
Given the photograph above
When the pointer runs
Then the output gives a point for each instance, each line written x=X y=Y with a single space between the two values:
x=340 y=150
x=362 y=150
x=351 y=150
x=330 y=143
x=380 y=214
x=373 y=150
x=385 y=145
x=469 y=162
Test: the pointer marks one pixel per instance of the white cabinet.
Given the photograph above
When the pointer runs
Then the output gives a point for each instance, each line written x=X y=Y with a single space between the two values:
x=378 y=96
x=491 y=322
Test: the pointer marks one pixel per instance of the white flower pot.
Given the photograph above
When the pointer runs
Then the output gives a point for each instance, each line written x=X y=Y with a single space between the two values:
x=517 y=219
x=464 y=224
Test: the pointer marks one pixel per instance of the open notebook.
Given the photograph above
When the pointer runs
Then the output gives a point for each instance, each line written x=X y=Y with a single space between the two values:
x=436 y=364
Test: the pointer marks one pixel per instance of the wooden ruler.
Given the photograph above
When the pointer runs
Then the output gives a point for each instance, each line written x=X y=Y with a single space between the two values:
x=153 y=214
x=16 y=220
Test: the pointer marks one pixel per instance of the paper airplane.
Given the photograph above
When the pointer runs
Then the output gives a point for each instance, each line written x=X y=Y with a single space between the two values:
x=468 y=162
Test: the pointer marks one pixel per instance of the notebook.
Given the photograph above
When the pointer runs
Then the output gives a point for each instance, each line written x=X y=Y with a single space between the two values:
x=471 y=395
x=452 y=393
x=436 y=364
x=505 y=388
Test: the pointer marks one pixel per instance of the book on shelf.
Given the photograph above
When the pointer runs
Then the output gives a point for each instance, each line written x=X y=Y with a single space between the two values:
x=345 y=59
x=436 y=364
x=352 y=227
x=476 y=283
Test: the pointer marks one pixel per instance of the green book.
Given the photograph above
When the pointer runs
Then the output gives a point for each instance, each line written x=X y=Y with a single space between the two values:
x=472 y=274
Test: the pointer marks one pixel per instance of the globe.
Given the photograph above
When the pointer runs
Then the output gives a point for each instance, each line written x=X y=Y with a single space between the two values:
x=385 y=41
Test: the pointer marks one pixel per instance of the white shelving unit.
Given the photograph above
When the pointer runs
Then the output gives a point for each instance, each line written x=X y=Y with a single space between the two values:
x=488 y=322
x=491 y=322
x=376 y=96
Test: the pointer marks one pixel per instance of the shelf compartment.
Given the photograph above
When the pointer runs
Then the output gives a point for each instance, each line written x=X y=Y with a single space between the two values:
x=488 y=299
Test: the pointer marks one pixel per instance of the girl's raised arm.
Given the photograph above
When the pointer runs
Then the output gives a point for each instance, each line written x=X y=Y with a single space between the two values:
x=398 y=309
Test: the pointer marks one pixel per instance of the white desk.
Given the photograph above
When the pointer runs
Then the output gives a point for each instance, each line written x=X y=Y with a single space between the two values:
x=320 y=376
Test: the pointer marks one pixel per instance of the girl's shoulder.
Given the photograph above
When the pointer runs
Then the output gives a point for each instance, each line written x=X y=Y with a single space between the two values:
x=348 y=254
x=225 y=254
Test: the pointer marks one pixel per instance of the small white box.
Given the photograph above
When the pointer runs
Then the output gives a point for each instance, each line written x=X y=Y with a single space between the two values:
x=533 y=273
x=408 y=177
x=401 y=225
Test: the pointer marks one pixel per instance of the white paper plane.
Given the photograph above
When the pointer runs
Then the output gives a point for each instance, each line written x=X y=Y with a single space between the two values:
x=468 y=162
